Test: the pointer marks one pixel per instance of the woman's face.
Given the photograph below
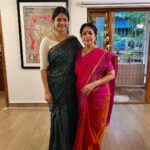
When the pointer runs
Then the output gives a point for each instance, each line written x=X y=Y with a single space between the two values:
x=61 y=22
x=88 y=36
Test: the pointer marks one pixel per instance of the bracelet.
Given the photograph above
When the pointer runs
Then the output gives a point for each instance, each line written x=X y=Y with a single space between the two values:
x=46 y=92
x=94 y=84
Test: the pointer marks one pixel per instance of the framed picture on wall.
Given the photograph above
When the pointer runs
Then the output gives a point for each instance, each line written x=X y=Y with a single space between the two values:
x=35 y=22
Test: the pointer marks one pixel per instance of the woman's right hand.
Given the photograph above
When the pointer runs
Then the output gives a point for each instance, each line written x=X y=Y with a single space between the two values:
x=48 y=97
x=88 y=88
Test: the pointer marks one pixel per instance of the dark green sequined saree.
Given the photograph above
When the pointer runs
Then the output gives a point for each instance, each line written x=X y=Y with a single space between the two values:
x=61 y=80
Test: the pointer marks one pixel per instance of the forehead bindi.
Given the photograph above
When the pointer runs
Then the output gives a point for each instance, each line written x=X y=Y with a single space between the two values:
x=87 y=30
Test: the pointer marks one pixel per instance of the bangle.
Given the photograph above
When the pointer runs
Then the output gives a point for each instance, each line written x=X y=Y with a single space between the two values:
x=94 y=84
x=46 y=92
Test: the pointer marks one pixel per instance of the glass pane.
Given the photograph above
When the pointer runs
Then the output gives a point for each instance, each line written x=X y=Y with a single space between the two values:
x=129 y=36
x=130 y=43
x=100 y=31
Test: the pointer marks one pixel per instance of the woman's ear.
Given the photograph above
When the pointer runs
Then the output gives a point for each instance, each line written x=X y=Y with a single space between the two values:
x=95 y=39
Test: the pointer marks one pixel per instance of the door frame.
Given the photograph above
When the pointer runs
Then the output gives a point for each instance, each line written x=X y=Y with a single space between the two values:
x=147 y=91
x=106 y=14
x=4 y=64
x=110 y=10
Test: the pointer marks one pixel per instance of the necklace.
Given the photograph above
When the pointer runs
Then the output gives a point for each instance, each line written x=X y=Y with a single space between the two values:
x=56 y=37
x=60 y=39
x=87 y=50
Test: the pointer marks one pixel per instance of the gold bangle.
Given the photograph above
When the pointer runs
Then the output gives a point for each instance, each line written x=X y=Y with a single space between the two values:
x=94 y=84
x=46 y=92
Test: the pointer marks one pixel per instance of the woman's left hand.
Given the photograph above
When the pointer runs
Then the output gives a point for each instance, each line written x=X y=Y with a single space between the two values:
x=88 y=88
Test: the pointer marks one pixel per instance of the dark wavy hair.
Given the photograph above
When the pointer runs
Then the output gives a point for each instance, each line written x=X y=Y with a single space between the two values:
x=59 y=10
x=90 y=25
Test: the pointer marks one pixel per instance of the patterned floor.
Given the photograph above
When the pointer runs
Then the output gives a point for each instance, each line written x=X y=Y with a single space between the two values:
x=121 y=98
x=130 y=94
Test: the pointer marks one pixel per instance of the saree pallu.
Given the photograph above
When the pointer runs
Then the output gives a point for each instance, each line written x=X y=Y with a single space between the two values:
x=61 y=81
x=92 y=109
x=114 y=60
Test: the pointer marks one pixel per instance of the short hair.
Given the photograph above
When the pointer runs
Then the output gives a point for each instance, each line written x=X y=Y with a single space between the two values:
x=59 y=10
x=90 y=25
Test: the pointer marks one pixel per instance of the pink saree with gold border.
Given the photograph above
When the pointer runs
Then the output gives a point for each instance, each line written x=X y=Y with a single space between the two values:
x=95 y=109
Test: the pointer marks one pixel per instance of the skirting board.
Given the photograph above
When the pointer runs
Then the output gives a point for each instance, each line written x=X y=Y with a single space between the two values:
x=28 y=105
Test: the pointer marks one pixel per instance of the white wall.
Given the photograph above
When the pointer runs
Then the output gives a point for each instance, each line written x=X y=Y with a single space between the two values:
x=25 y=86
x=78 y=16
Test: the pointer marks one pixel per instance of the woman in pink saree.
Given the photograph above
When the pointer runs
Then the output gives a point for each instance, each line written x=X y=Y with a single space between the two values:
x=94 y=71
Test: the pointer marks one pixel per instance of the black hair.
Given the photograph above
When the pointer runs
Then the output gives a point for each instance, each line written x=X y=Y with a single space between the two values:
x=90 y=25
x=59 y=10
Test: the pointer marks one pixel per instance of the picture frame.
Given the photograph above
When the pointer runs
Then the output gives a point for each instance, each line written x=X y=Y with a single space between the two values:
x=35 y=22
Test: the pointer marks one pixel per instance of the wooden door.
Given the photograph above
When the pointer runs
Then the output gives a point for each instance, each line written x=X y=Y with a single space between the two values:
x=103 y=21
x=108 y=15
x=148 y=76
x=3 y=77
x=1 y=60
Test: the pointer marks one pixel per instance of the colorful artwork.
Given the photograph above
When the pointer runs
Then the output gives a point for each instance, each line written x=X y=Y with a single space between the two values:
x=38 y=24
x=35 y=23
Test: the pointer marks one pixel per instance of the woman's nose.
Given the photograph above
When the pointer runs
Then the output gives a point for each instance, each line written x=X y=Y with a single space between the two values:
x=87 y=34
x=62 y=22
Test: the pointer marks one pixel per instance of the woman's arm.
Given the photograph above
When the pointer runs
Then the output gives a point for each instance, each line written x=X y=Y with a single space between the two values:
x=44 y=48
x=47 y=93
x=91 y=86
x=108 y=77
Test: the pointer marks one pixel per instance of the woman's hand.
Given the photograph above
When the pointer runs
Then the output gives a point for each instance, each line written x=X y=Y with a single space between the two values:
x=88 y=88
x=48 y=97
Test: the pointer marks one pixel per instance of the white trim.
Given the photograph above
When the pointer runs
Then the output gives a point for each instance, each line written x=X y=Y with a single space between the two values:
x=113 y=4
x=27 y=102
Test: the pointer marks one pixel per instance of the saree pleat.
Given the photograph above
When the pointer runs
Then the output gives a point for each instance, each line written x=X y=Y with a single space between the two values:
x=61 y=81
x=92 y=109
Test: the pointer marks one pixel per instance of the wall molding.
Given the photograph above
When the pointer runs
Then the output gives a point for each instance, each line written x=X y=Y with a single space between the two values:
x=28 y=105
x=114 y=4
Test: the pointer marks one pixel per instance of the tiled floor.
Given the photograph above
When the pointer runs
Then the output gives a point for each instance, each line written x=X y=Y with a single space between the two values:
x=130 y=94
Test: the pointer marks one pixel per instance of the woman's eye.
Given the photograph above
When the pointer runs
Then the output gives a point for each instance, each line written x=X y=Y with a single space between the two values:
x=64 y=20
x=58 y=20
x=90 y=33
x=61 y=19
x=87 y=33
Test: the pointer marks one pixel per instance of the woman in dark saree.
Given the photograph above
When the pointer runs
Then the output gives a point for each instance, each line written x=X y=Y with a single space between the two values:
x=95 y=69
x=57 y=56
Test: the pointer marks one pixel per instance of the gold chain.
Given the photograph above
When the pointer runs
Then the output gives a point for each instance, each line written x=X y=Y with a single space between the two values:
x=57 y=38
